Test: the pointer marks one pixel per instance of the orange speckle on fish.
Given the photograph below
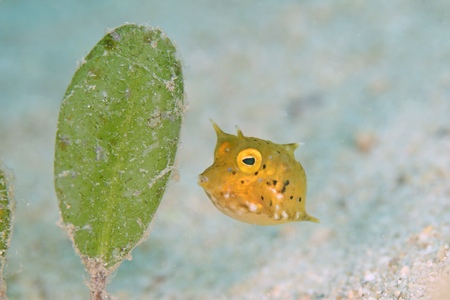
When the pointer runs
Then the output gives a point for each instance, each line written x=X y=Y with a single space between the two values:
x=256 y=181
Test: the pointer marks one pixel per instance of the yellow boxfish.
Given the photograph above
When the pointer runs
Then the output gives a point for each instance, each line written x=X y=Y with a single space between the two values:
x=256 y=181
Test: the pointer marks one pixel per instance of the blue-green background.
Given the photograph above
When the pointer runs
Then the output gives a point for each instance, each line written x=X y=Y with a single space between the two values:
x=364 y=85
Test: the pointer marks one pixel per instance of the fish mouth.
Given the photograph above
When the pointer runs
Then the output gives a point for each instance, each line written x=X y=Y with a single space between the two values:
x=202 y=180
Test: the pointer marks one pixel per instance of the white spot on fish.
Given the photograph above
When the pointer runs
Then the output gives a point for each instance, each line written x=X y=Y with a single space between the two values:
x=252 y=206
x=240 y=211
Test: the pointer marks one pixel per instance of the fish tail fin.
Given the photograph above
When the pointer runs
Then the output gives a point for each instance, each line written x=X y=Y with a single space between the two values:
x=311 y=219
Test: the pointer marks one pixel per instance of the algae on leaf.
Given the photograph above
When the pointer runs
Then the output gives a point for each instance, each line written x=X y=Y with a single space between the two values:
x=6 y=224
x=116 y=141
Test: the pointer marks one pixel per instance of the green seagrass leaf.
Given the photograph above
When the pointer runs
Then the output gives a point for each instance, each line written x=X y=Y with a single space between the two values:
x=6 y=223
x=117 y=137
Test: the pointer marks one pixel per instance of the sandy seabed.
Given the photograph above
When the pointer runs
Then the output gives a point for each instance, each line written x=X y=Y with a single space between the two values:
x=364 y=86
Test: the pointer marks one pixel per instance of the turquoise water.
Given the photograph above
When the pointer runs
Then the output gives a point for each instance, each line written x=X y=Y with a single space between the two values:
x=365 y=87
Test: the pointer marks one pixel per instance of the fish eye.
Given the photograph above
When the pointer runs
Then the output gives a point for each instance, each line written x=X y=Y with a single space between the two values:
x=249 y=160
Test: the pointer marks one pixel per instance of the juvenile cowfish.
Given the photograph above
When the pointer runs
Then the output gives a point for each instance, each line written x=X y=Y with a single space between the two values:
x=256 y=181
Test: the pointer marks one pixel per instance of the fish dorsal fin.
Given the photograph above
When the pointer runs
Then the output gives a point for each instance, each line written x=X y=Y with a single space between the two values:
x=291 y=147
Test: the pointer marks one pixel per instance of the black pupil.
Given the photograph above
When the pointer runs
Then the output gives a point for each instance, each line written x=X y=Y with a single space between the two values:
x=249 y=161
